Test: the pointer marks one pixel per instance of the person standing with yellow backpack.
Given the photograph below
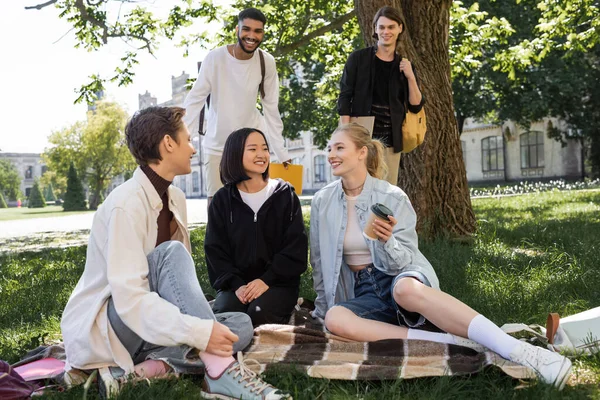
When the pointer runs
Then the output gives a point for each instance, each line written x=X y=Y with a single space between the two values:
x=379 y=83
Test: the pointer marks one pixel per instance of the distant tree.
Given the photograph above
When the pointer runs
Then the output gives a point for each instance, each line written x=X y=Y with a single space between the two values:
x=2 y=201
x=49 y=192
x=551 y=62
x=36 y=199
x=96 y=147
x=10 y=180
x=475 y=37
x=58 y=182
x=74 y=196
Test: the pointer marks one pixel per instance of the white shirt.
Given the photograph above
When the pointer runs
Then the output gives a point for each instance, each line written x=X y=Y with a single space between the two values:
x=356 y=251
x=233 y=88
x=123 y=233
x=256 y=200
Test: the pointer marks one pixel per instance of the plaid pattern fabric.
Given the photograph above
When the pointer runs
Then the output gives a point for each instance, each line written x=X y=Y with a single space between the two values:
x=306 y=345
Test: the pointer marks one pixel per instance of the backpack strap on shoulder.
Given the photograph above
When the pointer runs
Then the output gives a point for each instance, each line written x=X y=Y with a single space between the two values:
x=261 y=87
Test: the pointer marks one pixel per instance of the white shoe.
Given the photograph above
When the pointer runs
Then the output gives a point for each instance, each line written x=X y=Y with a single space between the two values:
x=550 y=367
x=461 y=341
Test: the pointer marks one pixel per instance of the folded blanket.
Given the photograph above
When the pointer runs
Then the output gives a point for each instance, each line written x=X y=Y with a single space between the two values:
x=306 y=345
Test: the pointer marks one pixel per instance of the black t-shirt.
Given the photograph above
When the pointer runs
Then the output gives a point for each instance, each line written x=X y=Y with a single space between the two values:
x=380 y=108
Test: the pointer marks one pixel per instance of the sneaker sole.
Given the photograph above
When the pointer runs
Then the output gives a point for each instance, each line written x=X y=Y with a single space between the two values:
x=215 y=396
x=225 y=397
x=108 y=387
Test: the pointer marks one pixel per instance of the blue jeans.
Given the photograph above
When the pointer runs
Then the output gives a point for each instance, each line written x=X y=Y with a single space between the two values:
x=374 y=298
x=172 y=275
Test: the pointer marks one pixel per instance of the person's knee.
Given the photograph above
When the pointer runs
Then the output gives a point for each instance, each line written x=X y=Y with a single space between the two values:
x=172 y=255
x=240 y=324
x=227 y=301
x=336 y=322
x=171 y=248
x=408 y=293
x=261 y=314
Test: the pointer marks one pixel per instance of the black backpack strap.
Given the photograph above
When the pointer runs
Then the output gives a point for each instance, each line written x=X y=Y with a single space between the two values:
x=404 y=83
x=201 y=122
x=261 y=87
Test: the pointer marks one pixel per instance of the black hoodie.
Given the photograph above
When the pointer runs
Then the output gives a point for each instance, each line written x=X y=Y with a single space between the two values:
x=241 y=246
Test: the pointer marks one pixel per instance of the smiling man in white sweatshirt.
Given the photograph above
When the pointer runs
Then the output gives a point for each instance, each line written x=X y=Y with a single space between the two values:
x=233 y=75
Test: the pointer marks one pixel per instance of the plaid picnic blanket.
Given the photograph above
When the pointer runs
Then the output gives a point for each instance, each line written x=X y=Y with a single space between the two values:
x=304 y=344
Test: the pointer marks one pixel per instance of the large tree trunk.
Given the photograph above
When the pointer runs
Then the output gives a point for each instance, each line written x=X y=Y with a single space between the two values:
x=433 y=175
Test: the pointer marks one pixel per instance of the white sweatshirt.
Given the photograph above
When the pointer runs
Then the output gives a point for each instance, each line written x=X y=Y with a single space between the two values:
x=233 y=88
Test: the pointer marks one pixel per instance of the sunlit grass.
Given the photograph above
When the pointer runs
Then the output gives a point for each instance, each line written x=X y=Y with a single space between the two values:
x=532 y=254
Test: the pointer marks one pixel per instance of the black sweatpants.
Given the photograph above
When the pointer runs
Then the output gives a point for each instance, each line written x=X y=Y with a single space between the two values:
x=274 y=306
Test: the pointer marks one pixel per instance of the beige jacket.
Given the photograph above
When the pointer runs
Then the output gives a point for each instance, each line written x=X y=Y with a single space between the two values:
x=124 y=232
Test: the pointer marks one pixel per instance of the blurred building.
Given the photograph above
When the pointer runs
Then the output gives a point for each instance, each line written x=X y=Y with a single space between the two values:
x=509 y=152
x=30 y=167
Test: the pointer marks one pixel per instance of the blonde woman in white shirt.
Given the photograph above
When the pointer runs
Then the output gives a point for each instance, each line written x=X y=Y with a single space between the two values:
x=385 y=288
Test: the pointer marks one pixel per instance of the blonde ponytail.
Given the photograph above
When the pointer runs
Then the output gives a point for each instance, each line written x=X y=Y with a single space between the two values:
x=360 y=136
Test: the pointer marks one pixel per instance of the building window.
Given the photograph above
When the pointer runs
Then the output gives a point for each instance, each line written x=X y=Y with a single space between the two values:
x=182 y=184
x=492 y=154
x=463 y=146
x=195 y=182
x=320 y=168
x=29 y=172
x=532 y=150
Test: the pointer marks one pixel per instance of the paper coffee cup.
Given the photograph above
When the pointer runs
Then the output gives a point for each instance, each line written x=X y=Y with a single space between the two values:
x=378 y=211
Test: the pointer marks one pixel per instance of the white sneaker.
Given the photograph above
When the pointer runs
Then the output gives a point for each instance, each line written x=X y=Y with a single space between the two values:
x=550 y=367
x=461 y=341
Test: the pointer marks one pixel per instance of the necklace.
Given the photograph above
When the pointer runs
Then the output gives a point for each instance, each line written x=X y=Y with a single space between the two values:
x=234 y=56
x=352 y=190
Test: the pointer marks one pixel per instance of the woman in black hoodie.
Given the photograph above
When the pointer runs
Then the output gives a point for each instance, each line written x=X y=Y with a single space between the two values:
x=256 y=245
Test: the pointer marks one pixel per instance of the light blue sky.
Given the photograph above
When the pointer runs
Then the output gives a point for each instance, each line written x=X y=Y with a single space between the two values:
x=39 y=74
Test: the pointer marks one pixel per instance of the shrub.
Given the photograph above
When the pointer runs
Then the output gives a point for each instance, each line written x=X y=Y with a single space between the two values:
x=49 y=193
x=74 y=197
x=36 y=200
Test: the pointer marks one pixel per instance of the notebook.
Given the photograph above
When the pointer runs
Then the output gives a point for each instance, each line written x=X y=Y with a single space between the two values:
x=41 y=369
x=293 y=175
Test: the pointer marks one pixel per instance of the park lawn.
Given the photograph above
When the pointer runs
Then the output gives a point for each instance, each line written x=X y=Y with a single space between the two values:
x=12 y=213
x=532 y=254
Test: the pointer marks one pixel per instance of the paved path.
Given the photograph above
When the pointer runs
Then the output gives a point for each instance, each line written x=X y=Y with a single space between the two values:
x=196 y=215
x=9 y=229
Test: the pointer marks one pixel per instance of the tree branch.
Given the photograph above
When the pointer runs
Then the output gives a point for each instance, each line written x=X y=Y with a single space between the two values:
x=336 y=23
x=42 y=5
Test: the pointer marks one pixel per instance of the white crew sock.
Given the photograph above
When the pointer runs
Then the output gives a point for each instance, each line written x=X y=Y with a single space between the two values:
x=485 y=332
x=419 y=334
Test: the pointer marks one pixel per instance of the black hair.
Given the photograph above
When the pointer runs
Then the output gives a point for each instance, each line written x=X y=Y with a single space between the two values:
x=252 y=13
x=147 y=128
x=232 y=163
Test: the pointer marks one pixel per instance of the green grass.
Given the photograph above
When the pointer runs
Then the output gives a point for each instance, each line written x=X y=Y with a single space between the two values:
x=12 y=213
x=532 y=254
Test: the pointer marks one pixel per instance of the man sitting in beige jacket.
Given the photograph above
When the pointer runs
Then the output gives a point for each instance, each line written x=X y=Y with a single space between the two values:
x=138 y=307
